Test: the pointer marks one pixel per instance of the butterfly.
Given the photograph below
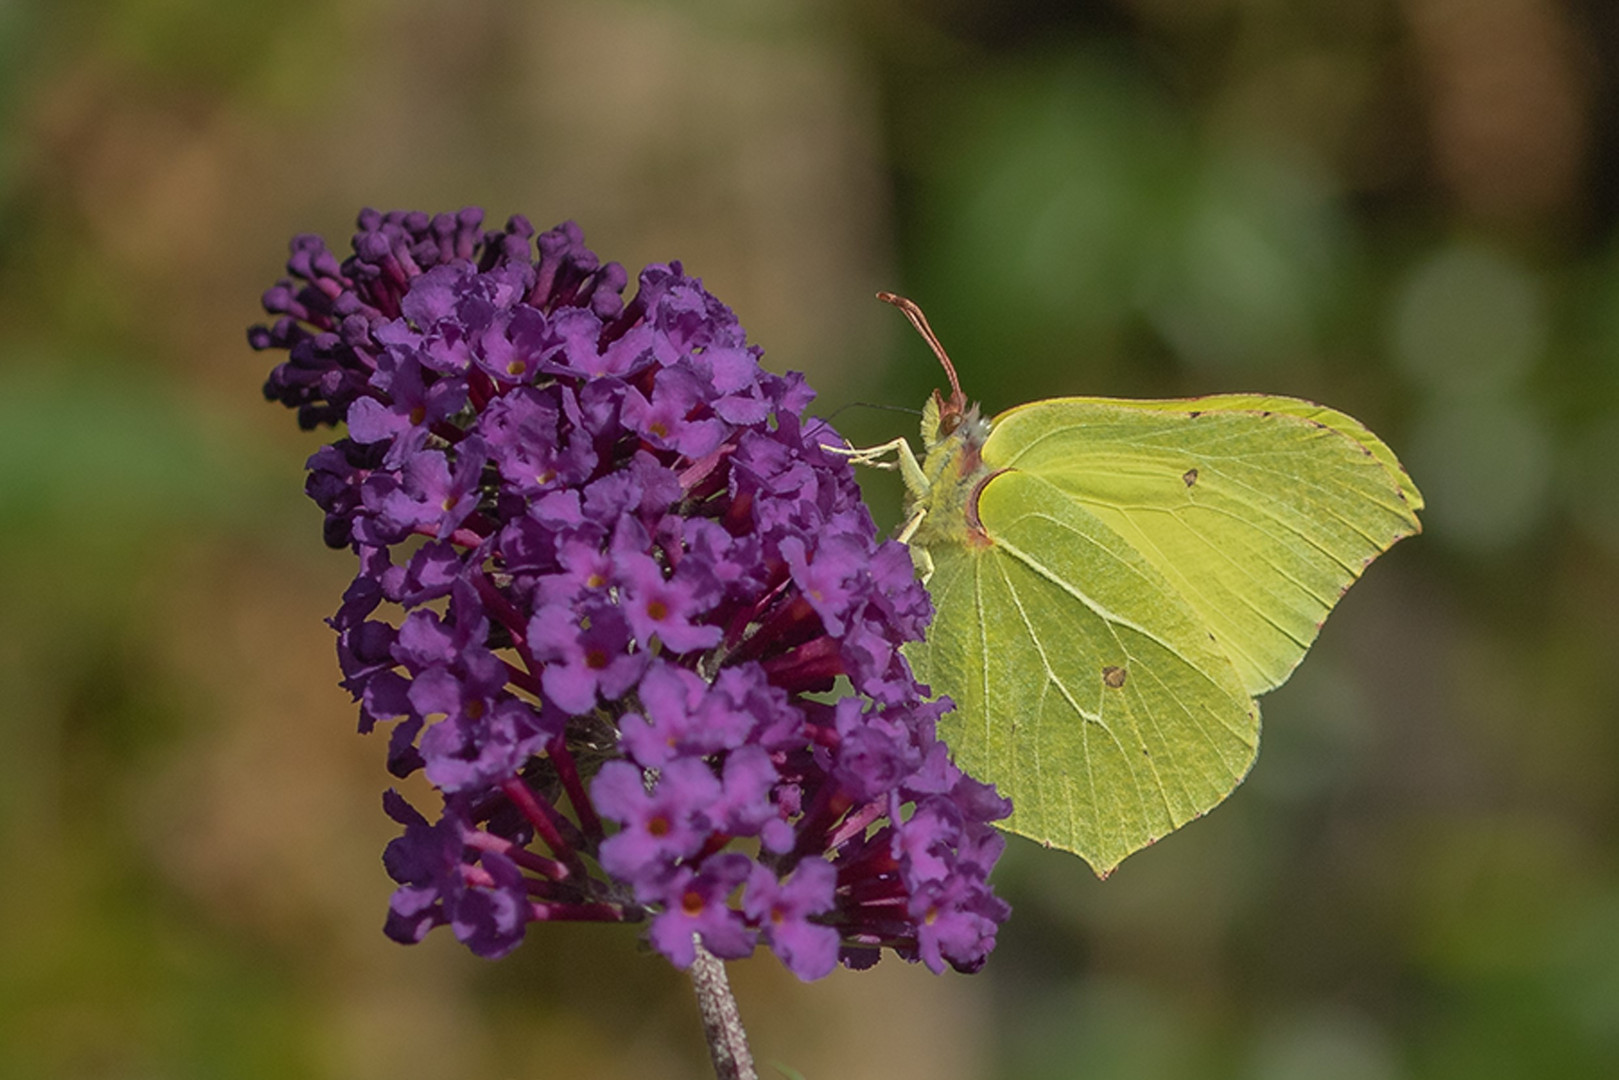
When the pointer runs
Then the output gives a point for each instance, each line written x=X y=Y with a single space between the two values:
x=1114 y=582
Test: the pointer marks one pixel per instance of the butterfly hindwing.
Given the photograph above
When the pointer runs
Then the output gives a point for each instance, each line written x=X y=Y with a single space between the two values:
x=1085 y=686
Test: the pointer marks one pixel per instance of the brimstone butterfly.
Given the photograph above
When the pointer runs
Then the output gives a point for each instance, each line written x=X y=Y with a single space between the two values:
x=1114 y=582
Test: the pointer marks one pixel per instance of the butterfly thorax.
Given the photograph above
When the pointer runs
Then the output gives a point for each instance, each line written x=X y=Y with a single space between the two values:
x=954 y=469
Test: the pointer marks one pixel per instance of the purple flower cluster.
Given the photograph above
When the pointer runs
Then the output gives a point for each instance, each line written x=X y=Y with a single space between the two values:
x=630 y=584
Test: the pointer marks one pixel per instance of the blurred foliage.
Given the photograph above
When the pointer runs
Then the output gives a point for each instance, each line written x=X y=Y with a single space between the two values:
x=1404 y=208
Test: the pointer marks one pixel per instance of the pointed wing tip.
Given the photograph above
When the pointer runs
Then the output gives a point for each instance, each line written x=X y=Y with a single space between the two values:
x=1104 y=868
x=1101 y=866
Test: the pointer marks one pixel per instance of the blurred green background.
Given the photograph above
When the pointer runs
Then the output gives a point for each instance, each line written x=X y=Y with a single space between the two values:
x=1403 y=208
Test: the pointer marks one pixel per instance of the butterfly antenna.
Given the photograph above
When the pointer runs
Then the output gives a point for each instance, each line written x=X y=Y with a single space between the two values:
x=958 y=400
x=879 y=405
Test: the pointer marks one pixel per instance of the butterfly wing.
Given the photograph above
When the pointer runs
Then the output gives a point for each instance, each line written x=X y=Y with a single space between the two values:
x=1085 y=687
x=1260 y=511
x=1113 y=583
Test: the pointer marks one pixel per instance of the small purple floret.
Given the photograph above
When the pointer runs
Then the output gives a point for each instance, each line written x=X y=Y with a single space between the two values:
x=623 y=572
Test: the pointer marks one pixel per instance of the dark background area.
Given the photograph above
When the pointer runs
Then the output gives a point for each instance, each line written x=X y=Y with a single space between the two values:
x=1402 y=208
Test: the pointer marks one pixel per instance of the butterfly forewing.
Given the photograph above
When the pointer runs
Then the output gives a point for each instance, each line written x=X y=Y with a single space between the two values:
x=1259 y=512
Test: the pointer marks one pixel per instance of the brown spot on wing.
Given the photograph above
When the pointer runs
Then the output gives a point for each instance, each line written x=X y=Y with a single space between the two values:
x=1189 y=477
x=1113 y=676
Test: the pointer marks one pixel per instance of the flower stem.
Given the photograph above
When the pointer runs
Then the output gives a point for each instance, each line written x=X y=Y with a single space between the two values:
x=544 y=827
x=722 y=1024
x=568 y=772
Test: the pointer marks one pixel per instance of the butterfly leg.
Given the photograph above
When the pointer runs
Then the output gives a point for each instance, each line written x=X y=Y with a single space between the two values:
x=922 y=562
x=916 y=482
x=910 y=470
x=912 y=523
x=916 y=487
x=872 y=456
